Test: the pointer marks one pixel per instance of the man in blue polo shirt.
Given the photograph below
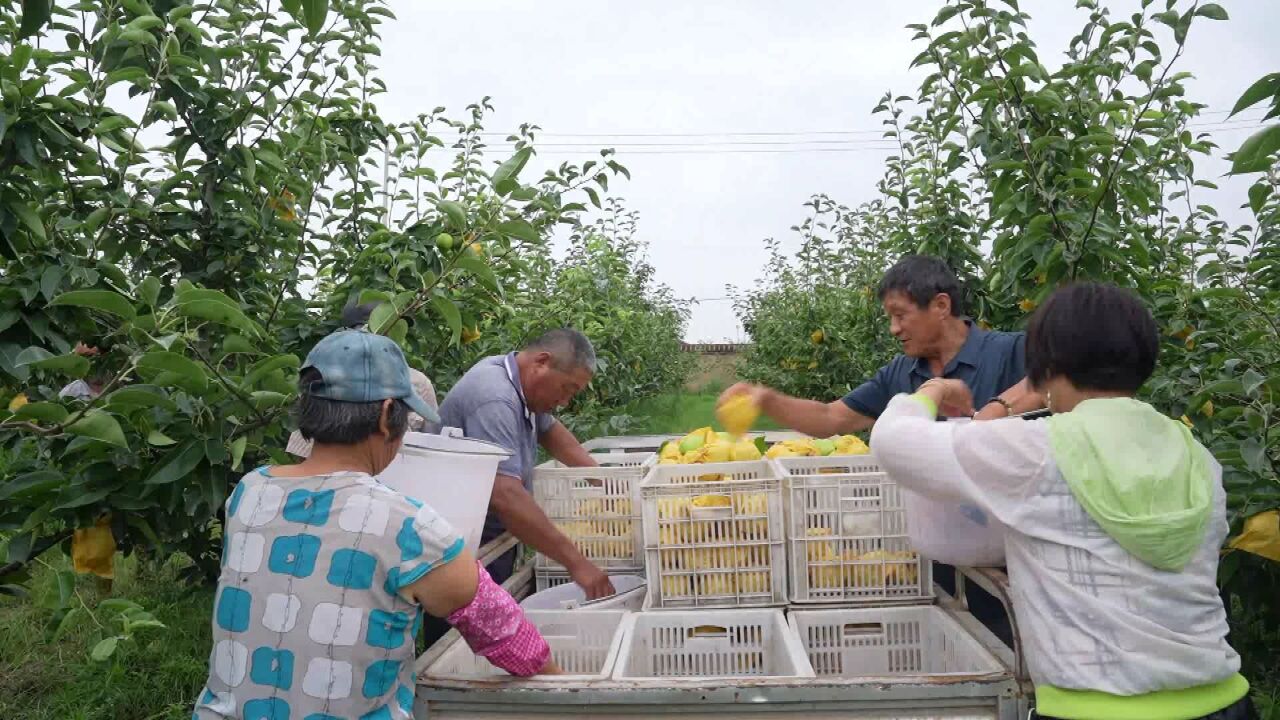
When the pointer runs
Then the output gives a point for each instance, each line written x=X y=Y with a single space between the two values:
x=922 y=298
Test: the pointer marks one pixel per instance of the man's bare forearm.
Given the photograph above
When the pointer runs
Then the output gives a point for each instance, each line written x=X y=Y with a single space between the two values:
x=812 y=417
x=1021 y=399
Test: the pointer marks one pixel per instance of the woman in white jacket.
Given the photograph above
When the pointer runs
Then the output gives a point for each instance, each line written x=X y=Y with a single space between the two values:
x=1115 y=517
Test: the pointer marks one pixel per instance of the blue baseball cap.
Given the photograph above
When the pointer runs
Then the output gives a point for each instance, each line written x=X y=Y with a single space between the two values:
x=359 y=366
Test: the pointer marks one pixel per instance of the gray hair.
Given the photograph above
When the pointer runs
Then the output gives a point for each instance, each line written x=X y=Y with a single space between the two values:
x=570 y=349
x=334 y=422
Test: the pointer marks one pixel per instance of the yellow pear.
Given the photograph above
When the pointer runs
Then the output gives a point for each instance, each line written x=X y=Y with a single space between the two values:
x=694 y=440
x=780 y=451
x=738 y=414
x=718 y=452
x=745 y=450
x=670 y=450
x=693 y=457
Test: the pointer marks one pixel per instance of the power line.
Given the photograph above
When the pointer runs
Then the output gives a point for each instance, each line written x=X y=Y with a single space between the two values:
x=791 y=133
x=804 y=145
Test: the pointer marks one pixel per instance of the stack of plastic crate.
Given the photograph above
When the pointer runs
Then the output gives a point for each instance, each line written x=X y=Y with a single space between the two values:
x=847 y=534
x=598 y=508
x=714 y=535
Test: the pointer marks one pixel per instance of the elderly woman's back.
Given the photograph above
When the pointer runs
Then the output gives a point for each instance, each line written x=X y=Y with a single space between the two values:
x=326 y=572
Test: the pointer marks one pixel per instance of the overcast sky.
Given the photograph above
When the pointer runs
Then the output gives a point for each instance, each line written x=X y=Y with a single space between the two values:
x=609 y=73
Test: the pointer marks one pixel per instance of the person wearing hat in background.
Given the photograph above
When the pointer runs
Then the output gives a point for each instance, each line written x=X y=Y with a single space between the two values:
x=326 y=572
x=356 y=317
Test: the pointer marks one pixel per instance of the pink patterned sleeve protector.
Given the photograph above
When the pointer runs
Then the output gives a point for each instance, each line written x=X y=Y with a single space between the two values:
x=496 y=629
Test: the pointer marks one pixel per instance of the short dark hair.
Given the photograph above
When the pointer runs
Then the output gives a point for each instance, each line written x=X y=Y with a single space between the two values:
x=922 y=278
x=1099 y=337
x=354 y=315
x=334 y=422
x=570 y=348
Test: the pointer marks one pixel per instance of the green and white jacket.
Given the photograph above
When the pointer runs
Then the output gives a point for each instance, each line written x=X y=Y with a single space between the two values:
x=1115 y=518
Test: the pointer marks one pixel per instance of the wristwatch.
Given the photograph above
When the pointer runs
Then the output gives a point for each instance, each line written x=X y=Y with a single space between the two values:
x=1008 y=406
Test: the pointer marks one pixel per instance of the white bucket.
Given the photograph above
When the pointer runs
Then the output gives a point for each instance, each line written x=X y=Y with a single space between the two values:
x=629 y=595
x=452 y=474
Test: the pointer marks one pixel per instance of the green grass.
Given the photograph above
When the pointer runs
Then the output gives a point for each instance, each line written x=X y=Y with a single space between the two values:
x=154 y=677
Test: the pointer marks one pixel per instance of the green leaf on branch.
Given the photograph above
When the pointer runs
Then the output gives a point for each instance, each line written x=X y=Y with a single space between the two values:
x=100 y=426
x=451 y=315
x=19 y=549
x=1213 y=11
x=454 y=213
x=29 y=217
x=178 y=464
x=159 y=439
x=481 y=270
x=1251 y=380
x=102 y=300
x=1255 y=154
x=314 y=13
x=31 y=483
x=237 y=451
x=265 y=367
x=149 y=290
x=504 y=178
x=183 y=372
x=382 y=318
x=1258 y=196
x=945 y=14
x=520 y=230
x=140 y=396
x=217 y=312
x=71 y=364
x=42 y=411
x=247 y=163
x=238 y=344
x=35 y=13
x=399 y=332
x=267 y=399
x=1266 y=87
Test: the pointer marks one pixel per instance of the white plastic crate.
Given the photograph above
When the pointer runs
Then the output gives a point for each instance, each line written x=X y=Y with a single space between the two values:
x=584 y=644
x=916 y=640
x=714 y=535
x=847 y=534
x=708 y=644
x=597 y=508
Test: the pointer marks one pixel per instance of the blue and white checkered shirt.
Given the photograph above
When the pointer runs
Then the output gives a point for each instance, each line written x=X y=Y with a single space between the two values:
x=309 y=623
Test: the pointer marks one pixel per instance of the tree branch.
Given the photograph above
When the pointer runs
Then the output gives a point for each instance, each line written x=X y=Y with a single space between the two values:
x=1114 y=162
